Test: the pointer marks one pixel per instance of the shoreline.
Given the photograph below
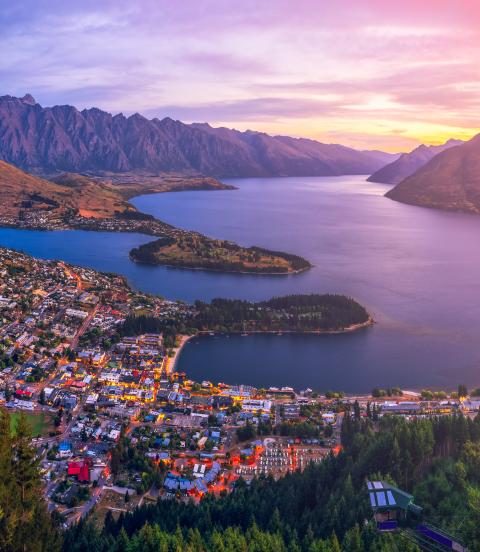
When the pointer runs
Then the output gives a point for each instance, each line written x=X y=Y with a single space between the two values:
x=172 y=363
x=206 y=269
x=136 y=261
x=410 y=394
x=348 y=329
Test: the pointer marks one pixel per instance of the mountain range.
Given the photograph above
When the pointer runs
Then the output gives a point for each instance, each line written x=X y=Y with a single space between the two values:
x=408 y=163
x=50 y=140
x=449 y=181
x=45 y=140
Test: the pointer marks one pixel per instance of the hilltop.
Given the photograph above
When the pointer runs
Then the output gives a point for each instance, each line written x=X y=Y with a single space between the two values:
x=408 y=163
x=21 y=193
x=62 y=138
x=19 y=190
x=450 y=181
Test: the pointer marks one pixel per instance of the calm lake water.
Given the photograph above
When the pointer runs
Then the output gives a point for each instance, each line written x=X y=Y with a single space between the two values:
x=417 y=271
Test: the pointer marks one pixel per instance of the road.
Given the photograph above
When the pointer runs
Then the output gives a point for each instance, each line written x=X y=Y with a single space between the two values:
x=83 y=327
x=337 y=428
x=72 y=274
x=83 y=510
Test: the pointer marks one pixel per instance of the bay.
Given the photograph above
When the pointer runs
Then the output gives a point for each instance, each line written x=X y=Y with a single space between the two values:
x=416 y=270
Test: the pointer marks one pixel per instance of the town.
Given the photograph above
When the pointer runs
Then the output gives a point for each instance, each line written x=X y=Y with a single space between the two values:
x=115 y=424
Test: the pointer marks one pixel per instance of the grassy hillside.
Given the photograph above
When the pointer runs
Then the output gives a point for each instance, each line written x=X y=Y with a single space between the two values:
x=92 y=197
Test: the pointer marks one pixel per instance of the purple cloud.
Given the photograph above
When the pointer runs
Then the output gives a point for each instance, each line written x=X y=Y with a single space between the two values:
x=309 y=67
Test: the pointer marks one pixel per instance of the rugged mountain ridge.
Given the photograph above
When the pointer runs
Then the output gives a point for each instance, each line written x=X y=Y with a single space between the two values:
x=408 y=163
x=449 y=181
x=62 y=138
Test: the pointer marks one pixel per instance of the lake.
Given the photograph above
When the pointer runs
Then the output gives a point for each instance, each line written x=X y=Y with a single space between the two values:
x=416 y=270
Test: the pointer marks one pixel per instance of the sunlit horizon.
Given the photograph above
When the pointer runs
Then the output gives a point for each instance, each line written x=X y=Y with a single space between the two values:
x=370 y=74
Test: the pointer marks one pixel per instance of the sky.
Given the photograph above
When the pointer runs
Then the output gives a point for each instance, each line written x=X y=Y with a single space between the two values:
x=384 y=74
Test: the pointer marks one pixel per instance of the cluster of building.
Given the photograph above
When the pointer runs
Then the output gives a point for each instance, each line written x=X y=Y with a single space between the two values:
x=65 y=360
x=58 y=218
x=413 y=406
x=56 y=330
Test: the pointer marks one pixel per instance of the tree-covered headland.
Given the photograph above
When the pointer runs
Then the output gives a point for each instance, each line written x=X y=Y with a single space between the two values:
x=292 y=313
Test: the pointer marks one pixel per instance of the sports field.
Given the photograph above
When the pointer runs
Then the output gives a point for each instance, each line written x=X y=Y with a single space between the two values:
x=39 y=423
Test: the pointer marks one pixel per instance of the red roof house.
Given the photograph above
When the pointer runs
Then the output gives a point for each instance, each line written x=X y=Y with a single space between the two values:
x=81 y=470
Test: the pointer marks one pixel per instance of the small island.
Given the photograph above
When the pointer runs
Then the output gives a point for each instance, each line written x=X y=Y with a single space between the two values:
x=197 y=251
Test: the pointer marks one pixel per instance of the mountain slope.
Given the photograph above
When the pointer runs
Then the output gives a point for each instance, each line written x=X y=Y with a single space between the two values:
x=408 y=163
x=450 y=181
x=23 y=192
x=91 y=197
x=61 y=138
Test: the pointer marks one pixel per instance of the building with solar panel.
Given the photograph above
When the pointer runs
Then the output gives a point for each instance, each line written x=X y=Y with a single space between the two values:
x=394 y=509
x=389 y=504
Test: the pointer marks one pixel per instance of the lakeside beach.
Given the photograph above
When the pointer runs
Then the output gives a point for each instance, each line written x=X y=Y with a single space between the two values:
x=171 y=361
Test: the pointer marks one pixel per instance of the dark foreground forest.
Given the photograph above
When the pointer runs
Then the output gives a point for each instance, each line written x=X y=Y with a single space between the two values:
x=326 y=507
x=323 y=509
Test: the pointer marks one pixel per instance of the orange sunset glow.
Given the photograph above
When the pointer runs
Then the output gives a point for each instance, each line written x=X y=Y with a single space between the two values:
x=369 y=74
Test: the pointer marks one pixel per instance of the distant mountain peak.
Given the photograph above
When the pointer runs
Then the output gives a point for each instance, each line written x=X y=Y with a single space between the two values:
x=408 y=163
x=28 y=99
x=450 y=180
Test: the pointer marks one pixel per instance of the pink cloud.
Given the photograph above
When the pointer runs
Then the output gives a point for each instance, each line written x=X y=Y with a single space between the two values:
x=283 y=61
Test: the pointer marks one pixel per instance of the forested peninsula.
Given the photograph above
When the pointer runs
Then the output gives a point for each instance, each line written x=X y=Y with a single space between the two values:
x=293 y=313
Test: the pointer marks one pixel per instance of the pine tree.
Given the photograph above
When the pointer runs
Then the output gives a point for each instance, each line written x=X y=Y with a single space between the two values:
x=25 y=470
x=353 y=541
x=356 y=410
x=9 y=518
x=25 y=525
x=122 y=541
x=275 y=525
x=334 y=544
